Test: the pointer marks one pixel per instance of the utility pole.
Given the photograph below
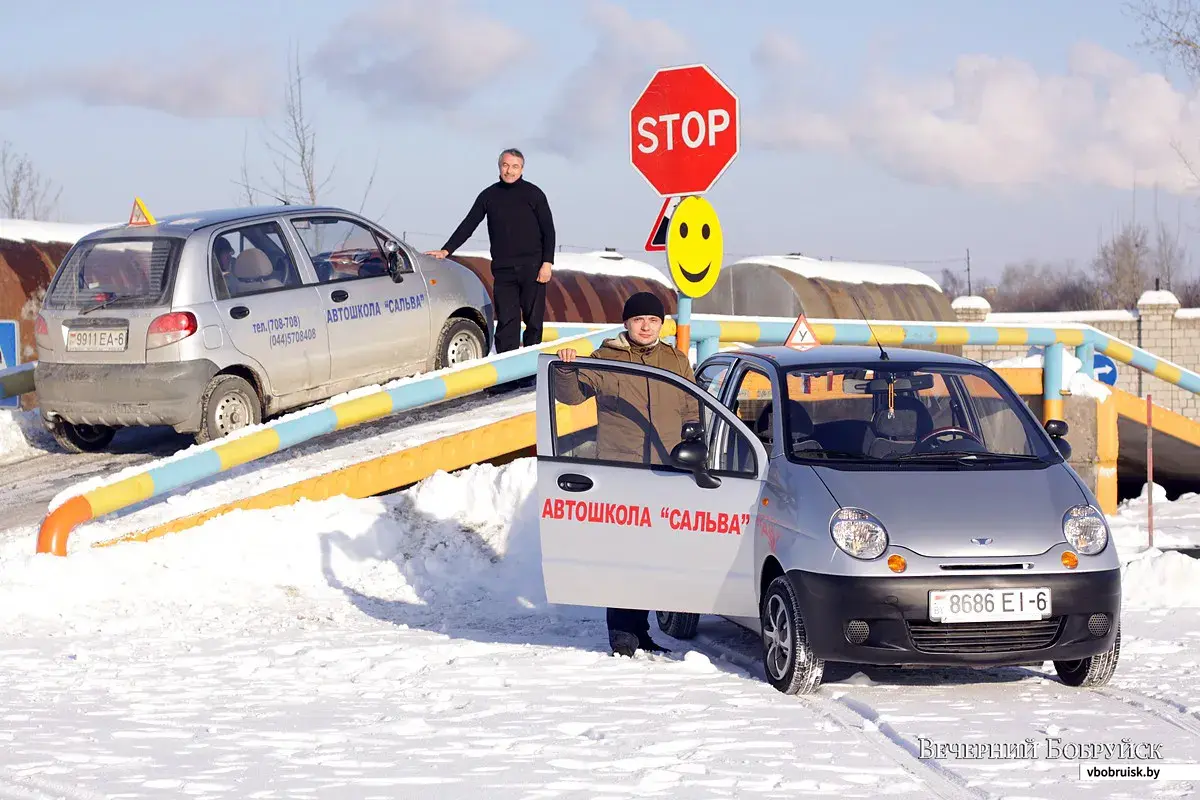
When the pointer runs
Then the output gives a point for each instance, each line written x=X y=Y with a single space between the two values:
x=969 y=271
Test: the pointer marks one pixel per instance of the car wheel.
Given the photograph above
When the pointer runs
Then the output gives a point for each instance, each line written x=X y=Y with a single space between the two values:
x=678 y=625
x=1094 y=670
x=229 y=404
x=461 y=340
x=81 y=438
x=788 y=661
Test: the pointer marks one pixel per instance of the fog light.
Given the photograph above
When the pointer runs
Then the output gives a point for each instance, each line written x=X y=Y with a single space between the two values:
x=857 y=631
x=1098 y=625
x=1070 y=560
x=897 y=563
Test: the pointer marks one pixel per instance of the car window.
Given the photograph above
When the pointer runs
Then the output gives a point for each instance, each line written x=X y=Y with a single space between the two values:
x=119 y=273
x=712 y=378
x=341 y=249
x=252 y=259
x=610 y=413
x=753 y=403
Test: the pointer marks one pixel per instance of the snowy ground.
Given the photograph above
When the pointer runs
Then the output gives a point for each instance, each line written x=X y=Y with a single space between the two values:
x=22 y=436
x=402 y=647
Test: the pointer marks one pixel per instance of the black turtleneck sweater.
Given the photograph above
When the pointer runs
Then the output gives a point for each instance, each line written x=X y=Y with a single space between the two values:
x=520 y=227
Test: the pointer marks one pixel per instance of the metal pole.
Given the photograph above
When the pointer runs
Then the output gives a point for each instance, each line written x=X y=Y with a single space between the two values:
x=1150 y=468
x=969 y=271
x=683 y=323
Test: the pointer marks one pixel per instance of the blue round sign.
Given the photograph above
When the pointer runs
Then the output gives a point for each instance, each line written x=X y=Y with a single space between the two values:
x=1105 y=369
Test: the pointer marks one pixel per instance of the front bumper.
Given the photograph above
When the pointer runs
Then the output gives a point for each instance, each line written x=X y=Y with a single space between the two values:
x=122 y=395
x=896 y=610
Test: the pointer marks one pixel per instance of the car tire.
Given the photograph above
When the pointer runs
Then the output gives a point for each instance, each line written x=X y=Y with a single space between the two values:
x=229 y=403
x=678 y=625
x=81 y=438
x=461 y=340
x=788 y=661
x=1092 y=671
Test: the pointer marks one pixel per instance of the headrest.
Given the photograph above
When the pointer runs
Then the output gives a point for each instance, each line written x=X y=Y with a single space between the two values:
x=252 y=265
x=911 y=420
x=799 y=419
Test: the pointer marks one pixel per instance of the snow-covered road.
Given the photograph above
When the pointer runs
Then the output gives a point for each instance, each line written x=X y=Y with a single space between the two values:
x=402 y=647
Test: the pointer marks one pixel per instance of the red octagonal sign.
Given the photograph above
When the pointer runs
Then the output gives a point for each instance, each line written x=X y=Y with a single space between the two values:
x=684 y=130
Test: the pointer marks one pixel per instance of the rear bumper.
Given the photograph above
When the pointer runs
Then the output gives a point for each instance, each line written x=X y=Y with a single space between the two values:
x=124 y=394
x=896 y=610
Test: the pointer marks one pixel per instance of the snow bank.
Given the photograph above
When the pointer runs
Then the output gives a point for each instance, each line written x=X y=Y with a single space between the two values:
x=597 y=262
x=1078 y=384
x=971 y=301
x=1158 y=298
x=844 y=271
x=1117 y=315
x=21 y=230
x=22 y=436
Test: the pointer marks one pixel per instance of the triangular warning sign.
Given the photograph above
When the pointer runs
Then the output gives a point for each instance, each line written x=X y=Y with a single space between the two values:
x=802 y=336
x=657 y=240
x=139 y=215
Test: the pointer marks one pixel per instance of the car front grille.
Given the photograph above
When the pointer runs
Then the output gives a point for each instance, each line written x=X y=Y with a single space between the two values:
x=984 y=637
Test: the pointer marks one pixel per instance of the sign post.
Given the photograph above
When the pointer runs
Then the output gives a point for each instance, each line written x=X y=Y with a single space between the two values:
x=684 y=132
x=10 y=355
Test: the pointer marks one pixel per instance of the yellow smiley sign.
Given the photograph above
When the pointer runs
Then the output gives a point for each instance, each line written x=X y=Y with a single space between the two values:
x=694 y=246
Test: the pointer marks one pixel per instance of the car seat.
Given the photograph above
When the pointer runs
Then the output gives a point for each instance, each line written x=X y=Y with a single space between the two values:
x=801 y=425
x=254 y=271
x=910 y=423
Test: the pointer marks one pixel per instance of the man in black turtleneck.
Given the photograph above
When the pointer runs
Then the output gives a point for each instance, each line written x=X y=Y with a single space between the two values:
x=521 y=232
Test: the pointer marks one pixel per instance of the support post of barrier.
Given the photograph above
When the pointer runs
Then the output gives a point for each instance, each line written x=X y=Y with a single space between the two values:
x=683 y=323
x=1052 y=383
x=706 y=347
x=1086 y=353
x=1150 y=469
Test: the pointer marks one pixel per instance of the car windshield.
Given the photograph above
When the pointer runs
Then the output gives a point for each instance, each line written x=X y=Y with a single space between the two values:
x=115 y=272
x=958 y=414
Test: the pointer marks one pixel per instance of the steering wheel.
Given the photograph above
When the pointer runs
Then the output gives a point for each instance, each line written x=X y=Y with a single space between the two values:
x=957 y=432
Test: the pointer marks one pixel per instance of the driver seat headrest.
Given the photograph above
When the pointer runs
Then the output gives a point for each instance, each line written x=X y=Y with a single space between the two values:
x=911 y=420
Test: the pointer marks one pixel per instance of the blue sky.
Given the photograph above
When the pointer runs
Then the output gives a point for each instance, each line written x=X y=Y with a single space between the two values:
x=847 y=148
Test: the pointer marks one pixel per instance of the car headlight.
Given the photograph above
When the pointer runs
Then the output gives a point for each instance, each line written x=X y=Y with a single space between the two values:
x=1085 y=529
x=858 y=533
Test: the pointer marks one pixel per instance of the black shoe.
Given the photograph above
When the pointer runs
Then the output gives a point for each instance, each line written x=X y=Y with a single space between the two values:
x=651 y=646
x=622 y=643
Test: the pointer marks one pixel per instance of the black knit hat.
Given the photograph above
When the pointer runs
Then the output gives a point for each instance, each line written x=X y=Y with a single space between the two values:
x=644 y=304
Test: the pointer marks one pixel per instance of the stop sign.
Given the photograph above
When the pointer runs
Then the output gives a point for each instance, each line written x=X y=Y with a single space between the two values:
x=684 y=130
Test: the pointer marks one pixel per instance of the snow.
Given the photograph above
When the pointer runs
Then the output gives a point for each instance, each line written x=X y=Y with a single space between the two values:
x=596 y=262
x=1117 y=315
x=1188 y=313
x=844 y=271
x=1078 y=384
x=22 y=436
x=20 y=230
x=971 y=301
x=1158 y=298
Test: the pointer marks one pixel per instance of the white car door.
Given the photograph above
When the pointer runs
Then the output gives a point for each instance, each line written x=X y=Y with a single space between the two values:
x=627 y=529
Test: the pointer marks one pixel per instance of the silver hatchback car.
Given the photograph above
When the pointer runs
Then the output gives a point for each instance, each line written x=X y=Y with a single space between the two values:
x=213 y=321
x=908 y=510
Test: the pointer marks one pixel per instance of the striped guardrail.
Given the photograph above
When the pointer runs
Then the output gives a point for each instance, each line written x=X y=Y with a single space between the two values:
x=16 y=381
x=226 y=454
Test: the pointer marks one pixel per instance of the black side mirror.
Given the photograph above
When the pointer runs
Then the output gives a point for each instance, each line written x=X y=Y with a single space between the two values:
x=1057 y=429
x=692 y=454
x=391 y=249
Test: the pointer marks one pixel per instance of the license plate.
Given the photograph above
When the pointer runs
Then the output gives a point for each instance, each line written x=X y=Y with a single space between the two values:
x=989 y=605
x=96 y=340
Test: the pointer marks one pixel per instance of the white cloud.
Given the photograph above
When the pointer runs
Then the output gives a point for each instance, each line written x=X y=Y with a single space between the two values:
x=595 y=99
x=999 y=121
x=401 y=53
x=207 y=82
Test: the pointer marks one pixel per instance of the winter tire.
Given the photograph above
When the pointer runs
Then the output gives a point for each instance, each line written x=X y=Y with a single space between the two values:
x=677 y=625
x=461 y=340
x=788 y=661
x=229 y=404
x=81 y=438
x=1092 y=671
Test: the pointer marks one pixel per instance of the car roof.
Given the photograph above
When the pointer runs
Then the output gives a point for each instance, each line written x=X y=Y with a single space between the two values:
x=187 y=223
x=784 y=357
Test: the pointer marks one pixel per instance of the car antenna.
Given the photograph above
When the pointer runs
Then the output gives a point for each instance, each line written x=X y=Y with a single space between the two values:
x=883 y=356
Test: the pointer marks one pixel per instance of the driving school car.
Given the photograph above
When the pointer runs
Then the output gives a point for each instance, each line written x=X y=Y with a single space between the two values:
x=845 y=507
x=214 y=321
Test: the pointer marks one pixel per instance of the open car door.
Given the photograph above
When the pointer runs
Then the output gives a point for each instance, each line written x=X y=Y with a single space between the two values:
x=621 y=524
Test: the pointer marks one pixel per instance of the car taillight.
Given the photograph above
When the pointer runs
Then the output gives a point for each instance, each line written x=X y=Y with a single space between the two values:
x=170 y=328
x=41 y=333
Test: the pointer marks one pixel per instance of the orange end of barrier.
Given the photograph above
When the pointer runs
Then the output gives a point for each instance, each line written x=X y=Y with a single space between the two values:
x=57 y=527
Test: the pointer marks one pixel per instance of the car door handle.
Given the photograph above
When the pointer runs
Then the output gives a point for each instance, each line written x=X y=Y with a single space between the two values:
x=574 y=483
x=239 y=312
x=339 y=295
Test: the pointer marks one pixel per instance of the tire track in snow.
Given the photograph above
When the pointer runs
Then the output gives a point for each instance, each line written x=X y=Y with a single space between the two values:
x=28 y=787
x=1172 y=713
x=849 y=716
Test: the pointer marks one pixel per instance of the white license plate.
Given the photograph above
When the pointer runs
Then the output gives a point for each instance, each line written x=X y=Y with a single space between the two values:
x=989 y=605
x=96 y=340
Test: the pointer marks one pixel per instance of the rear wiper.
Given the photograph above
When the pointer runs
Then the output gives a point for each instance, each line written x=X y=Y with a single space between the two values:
x=98 y=306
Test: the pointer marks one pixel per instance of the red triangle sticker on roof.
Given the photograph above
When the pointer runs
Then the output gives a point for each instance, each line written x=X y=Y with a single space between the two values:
x=140 y=215
x=802 y=336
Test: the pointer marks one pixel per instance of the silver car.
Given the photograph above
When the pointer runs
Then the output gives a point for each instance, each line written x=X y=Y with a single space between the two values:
x=845 y=507
x=214 y=321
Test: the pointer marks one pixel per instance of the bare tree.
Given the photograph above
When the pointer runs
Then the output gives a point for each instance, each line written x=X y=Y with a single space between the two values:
x=1170 y=256
x=26 y=192
x=1033 y=286
x=1172 y=29
x=1123 y=266
x=953 y=283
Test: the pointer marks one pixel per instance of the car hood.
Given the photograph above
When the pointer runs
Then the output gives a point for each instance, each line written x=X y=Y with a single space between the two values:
x=937 y=513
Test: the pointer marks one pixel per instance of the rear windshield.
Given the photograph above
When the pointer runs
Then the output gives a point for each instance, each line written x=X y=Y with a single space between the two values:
x=116 y=272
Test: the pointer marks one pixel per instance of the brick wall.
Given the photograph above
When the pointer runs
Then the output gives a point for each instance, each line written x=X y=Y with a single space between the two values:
x=1158 y=326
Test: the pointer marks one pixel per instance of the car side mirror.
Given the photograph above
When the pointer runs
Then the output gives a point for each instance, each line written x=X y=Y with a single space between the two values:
x=692 y=454
x=391 y=248
x=1058 y=429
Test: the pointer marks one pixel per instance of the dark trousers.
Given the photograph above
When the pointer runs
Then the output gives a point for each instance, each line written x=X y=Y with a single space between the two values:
x=518 y=296
x=632 y=621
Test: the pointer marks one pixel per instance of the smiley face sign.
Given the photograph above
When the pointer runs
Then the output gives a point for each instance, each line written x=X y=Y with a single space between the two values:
x=694 y=246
